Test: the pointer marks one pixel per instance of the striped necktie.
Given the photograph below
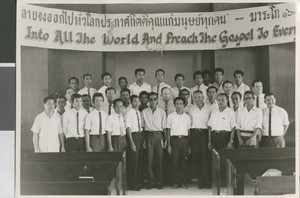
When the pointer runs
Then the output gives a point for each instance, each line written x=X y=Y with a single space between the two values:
x=166 y=108
x=157 y=89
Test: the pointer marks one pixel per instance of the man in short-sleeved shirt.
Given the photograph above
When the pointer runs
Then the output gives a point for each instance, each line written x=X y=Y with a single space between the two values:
x=259 y=97
x=179 y=124
x=69 y=92
x=200 y=86
x=239 y=86
x=47 y=129
x=219 y=73
x=159 y=75
x=166 y=103
x=212 y=98
x=106 y=79
x=274 y=129
x=179 y=81
x=139 y=85
x=88 y=89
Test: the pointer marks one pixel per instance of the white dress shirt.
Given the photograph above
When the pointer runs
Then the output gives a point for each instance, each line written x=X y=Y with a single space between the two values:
x=48 y=130
x=186 y=109
x=170 y=106
x=199 y=117
x=220 y=88
x=279 y=118
x=92 y=122
x=212 y=106
x=68 y=106
x=242 y=89
x=161 y=85
x=105 y=107
x=70 y=123
x=154 y=121
x=224 y=120
x=102 y=91
x=261 y=99
x=126 y=109
x=115 y=124
x=131 y=121
x=136 y=89
x=176 y=90
x=85 y=91
x=178 y=124
x=249 y=120
x=202 y=88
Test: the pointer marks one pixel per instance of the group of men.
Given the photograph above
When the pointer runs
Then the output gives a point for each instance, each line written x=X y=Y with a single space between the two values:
x=160 y=127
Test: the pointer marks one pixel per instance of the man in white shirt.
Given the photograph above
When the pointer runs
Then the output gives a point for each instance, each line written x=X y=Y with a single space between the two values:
x=144 y=100
x=249 y=122
x=133 y=123
x=154 y=123
x=139 y=85
x=219 y=73
x=236 y=100
x=221 y=125
x=47 y=129
x=259 y=97
x=178 y=126
x=88 y=89
x=212 y=98
x=106 y=79
x=274 y=125
x=73 y=125
x=60 y=105
x=115 y=128
x=122 y=84
x=125 y=96
x=239 y=86
x=107 y=106
x=199 y=113
x=179 y=81
x=206 y=78
x=198 y=78
x=95 y=126
x=166 y=103
x=185 y=94
x=86 y=103
x=74 y=83
x=69 y=92
x=227 y=89
x=159 y=75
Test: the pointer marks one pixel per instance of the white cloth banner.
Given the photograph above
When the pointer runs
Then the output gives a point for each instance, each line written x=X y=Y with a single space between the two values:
x=73 y=30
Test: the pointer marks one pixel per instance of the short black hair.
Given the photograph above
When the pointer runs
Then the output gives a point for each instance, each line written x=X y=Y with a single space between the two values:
x=105 y=74
x=84 y=95
x=226 y=82
x=152 y=94
x=122 y=78
x=236 y=93
x=198 y=91
x=238 y=72
x=164 y=89
x=117 y=100
x=211 y=87
x=178 y=98
x=158 y=70
x=63 y=97
x=249 y=92
x=75 y=96
x=124 y=90
x=197 y=73
x=143 y=93
x=218 y=69
x=132 y=97
x=179 y=75
x=256 y=81
x=180 y=92
x=85 y=75
x=45 y=100
x=69 y=88
x=269 y=94
x=206 y=72
x=97 y=95
x=223 y=94
x=109 y=88
x=139 y=70
x=73 y=78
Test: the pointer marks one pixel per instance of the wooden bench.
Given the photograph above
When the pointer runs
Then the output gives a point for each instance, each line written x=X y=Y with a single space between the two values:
x=108 y=168
x=219 y=161
x=275 y=185
x=254 y=167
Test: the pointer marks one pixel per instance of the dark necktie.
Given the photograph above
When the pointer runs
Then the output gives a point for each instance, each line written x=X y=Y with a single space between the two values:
x=257 y=101
x=138 y=120
x=166 y=108
x=77 y=122
x=109 y=109
x=100 y=124
x=157 y=89
x=89 y=93
x=228 y=103
x=270 y=122
x=199 y=88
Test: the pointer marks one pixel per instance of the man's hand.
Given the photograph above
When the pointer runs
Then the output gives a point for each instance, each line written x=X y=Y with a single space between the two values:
x=133 y=148
x=230 y=145
x=89 y=149
x=110 y=148
x=63 y=149
x=189 y=150
x=169 y=149
x=145 y=145
x=209 y=146
x=241 y=142
x=37 y=150
x=249 y=142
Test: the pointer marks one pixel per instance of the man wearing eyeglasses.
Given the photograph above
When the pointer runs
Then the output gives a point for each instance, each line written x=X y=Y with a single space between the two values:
x=154 y=124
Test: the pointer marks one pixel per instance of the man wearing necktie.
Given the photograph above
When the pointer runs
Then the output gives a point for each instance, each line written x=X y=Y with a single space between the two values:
x=257 y=89
x=159 y=75
x=275 y=123
x=134 y=144
x=107 y=106
x=88 y=89
x=95 y=134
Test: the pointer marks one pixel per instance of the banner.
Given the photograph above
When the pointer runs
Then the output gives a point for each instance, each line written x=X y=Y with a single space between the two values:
x=65 y=29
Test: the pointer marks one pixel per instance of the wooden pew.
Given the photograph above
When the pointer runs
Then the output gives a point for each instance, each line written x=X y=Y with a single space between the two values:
x=67 y=167
x=276 y=185
x=254 y=167
x=219 y=161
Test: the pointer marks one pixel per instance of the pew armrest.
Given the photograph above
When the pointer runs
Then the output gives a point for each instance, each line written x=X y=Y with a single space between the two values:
x=230 y=178
x=112 y=187
x=249 y=185
x=215 y=172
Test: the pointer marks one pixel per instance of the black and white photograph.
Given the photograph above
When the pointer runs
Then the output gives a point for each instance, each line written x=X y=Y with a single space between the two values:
x=156 y=98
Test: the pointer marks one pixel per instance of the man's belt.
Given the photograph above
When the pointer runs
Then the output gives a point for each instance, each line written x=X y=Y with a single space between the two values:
x=179 y=136
x=266 y=136
x=197 y=129
x=246 y=133
x=154 y=132
x=221 y=131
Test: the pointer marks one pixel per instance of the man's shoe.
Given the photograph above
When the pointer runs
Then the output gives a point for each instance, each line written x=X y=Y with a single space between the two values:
x=184 y=186
x=200 y=186
x=159 y=187
x=150 y=186
x=174 y=186
x=136 y=189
